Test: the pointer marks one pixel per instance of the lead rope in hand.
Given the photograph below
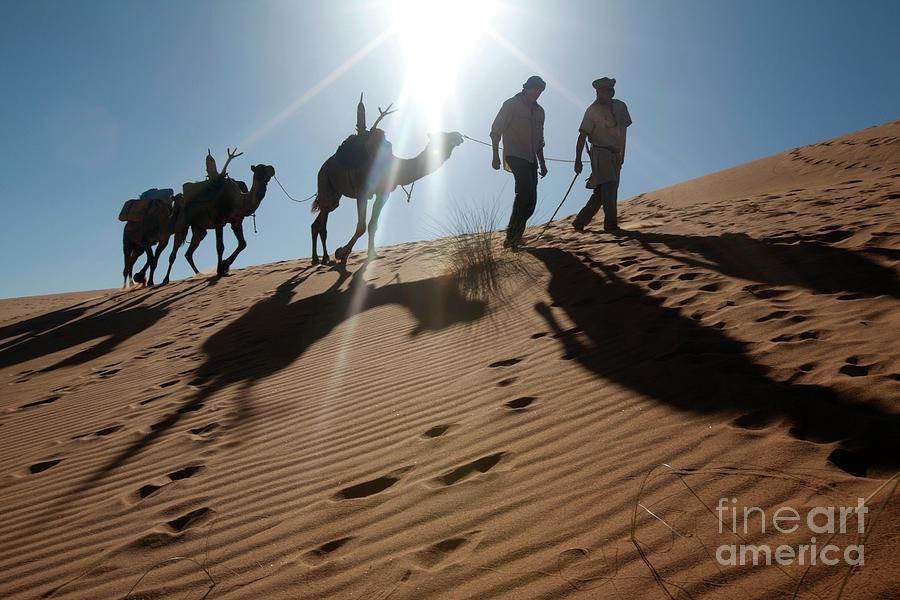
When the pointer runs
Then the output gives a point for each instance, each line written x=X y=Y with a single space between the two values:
x=483 y=143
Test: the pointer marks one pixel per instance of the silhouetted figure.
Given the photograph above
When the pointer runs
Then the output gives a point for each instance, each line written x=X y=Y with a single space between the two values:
x=213 y=204
x=364 y=166
x=605 y=125
x=520 y=125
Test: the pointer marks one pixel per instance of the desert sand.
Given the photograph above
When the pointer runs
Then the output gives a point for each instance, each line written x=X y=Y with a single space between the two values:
x=293 y=431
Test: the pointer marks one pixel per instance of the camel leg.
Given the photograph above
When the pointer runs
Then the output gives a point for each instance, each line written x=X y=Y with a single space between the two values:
x=344 y=251
x=238 y=230
x=220 y=250
x=148 y=250
x=314 y=232
x=197 y=235
x=159 y=250
x=130 y=258
x=323 y=234
x=373 y=223
x=179 y=240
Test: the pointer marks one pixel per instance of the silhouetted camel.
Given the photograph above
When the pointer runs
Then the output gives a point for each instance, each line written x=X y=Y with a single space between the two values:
x=276 y=332
x=139 y=237
x=364 y=166
x=808 y=262
x=214 y=204
x=635 y=341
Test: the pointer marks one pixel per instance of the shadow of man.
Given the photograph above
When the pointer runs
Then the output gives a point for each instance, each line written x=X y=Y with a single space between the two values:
x=636 y=342
x=808 y=262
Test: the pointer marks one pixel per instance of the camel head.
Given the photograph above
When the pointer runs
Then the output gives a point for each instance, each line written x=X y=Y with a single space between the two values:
x=444 y=143
x=262 y=174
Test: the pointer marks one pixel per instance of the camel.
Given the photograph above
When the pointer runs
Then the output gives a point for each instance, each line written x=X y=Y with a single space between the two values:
x=363 y=167
x=155 y=227
x=212 y=205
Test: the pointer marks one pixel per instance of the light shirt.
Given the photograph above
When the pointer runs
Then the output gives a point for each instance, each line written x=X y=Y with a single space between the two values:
x=521 y=127
x=605 y=128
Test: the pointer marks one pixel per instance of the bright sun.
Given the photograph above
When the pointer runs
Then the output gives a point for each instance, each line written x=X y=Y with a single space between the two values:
x=437 y=37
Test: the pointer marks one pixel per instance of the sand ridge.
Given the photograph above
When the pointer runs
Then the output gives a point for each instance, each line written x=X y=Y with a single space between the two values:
x=301 y=432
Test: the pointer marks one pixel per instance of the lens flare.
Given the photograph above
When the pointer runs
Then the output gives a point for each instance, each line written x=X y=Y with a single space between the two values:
x=437 y=37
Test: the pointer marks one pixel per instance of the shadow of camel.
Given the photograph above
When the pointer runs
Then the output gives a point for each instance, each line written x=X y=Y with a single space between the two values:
x=633 y=340
x=109 y=327
x=808 y=262
x=275 y=332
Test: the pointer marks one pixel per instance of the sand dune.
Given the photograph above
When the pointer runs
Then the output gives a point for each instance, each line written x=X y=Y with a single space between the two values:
x=297 y=432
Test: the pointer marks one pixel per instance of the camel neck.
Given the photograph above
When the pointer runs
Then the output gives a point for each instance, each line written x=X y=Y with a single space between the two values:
x=255 y=195
x=407 y=170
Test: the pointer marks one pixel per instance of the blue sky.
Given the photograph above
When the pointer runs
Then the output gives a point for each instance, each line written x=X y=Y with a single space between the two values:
x=103 y=100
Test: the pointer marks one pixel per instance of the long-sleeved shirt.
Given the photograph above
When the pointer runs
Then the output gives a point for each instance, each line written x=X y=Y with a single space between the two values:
x=520 y=126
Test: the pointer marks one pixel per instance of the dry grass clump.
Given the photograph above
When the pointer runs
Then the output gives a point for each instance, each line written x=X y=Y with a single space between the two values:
x=470 y=250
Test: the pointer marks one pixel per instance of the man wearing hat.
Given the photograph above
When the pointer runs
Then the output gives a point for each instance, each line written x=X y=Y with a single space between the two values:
x=605 y=124
x=520 y=125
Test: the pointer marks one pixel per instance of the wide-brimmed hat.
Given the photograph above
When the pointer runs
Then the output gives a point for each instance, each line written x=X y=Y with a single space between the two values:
x=534 y=82
x=604 y=82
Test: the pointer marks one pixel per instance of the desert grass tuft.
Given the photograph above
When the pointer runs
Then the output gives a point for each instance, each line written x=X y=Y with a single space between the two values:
x=469 y=248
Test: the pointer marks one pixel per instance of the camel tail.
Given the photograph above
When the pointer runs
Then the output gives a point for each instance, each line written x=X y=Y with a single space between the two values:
x=315 y=204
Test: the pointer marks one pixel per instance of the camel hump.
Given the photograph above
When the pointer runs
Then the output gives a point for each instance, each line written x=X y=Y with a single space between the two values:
x=197 y=190
x=353 y=152
x=134 y=211
x=158 y=194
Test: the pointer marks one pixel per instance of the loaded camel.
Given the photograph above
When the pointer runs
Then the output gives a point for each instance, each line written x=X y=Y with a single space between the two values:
x=363 y=166
x=148 y=221
x=215 y=203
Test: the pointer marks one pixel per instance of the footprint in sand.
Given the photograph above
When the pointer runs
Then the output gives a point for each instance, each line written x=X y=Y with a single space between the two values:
x=185 y=472
x=481 y=465
x=507 y=382
x=148 y=490
x=446 y=552
x=190 y=519
x=108 y=373
x=101 y=433
x=520 y=404
x=326 y=550
x=201 y=431
x=754 y=420
x=505 y=363
x=854 y=369
x=151 y=488
x=436 y=431
x=151 y=399
x=49 y=400
x=44 y=465
x=373 y=486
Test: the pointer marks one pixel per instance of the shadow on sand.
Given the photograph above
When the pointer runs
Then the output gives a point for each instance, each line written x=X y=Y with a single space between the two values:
x=275 y=332
x=808 y=262
x=67 y=328
x=636 y=342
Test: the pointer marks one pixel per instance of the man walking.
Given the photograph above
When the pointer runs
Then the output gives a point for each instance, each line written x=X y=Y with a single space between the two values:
x=520 y=125
x=605 y=124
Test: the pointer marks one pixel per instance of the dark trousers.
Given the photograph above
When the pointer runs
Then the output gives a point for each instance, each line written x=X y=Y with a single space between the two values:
x=604 y=195
x=525 y=174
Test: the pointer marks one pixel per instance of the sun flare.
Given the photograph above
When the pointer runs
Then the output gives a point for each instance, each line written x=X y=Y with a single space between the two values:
x=437 y=38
